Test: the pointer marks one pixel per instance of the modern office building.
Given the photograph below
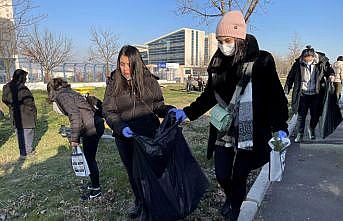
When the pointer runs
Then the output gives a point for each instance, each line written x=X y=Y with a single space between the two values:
x=183 y=46
x=179 y=53
x=143 y=49
x=211 y=46
x=7 y=38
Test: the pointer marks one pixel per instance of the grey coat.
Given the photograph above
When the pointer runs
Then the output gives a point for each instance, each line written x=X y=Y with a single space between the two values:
x=21 y=104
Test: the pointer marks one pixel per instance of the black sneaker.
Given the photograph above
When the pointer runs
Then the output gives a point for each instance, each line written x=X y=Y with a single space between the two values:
x=311 y=134
x=89 y=186
x=135 y=211
x=299 y=138
x=93 y=194
x=93 y=188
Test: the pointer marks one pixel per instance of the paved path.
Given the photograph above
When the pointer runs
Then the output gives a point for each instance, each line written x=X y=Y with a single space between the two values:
x=312 y=186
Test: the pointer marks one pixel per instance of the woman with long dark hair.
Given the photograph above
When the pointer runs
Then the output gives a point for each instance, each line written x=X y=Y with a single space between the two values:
x=133 y=102
x=243 y=84
x=84 y=123
x=23 y=112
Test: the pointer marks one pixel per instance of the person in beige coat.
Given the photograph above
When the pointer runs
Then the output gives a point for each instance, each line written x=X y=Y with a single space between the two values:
x=338 y=68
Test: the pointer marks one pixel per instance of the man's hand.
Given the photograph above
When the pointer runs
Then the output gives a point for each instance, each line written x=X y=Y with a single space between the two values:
x=74 y=144
x=332 y=78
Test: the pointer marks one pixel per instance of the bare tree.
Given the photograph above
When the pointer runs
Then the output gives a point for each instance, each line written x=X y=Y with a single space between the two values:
x=295 y=48
x=16 y=18
x=104 y=48
x=8 y=47
x=22 y=13
x=215 y=8
x=282 y=64
x=47 y=50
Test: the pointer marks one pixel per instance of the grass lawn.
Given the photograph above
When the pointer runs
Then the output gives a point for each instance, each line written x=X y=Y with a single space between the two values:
x=44 y=187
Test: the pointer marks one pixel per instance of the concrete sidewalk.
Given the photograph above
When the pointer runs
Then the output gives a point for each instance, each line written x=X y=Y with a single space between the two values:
x=312 y=186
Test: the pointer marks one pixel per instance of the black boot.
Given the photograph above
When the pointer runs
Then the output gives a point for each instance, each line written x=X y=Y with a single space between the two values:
x=135 y=211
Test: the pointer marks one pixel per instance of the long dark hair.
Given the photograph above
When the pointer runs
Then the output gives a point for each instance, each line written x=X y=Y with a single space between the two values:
x=137 y=69
x=240 y=51
x=19 y=77
x=54 y=85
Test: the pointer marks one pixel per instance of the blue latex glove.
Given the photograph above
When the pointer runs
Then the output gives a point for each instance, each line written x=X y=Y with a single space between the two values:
x=127 y=132
x=179 y=114
x=282 y=134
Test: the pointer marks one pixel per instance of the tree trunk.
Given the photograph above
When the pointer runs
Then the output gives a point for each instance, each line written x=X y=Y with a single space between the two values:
x=108 y=73
x=8 y=74
x=46 y=76
x=7 y=66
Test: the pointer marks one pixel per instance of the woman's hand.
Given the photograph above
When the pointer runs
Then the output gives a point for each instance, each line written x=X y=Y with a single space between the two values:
x=127 y=132
x=179 y=114
x=282 y=134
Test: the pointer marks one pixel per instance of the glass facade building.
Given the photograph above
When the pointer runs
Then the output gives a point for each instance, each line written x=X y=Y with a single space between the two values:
x=168 y=49
x=187 y=49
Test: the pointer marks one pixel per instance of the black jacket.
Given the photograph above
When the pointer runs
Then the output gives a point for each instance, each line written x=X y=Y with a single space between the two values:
x=127 y=109
x=83 y=121
x=323 y=69
x=21 y=105
x=269 y=102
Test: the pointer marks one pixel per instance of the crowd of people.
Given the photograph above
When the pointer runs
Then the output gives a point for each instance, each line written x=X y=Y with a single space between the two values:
x=242 y=80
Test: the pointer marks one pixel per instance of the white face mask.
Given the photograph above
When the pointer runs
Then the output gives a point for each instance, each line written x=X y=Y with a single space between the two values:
x=227 y=49
x=309 y=63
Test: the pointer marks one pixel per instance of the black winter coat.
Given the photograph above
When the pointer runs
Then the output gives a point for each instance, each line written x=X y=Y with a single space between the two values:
x=21 y=105
x=269 y=102
x=323 y=69
x=127 y=109
x=83 y=121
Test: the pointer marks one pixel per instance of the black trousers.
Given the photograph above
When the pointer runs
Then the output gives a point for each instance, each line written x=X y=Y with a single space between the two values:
x=90 y=147
x=232 y=170
x=307 y=102
x=125 y=149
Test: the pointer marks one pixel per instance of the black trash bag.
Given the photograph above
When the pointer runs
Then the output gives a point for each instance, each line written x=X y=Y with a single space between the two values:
x=331 y=116
x=168 y=177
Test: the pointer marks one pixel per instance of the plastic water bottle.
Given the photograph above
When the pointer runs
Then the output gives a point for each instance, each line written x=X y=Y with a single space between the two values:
x=279 y=143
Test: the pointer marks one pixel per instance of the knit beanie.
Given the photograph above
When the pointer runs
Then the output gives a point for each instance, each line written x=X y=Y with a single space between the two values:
x=308 y=51
x=232 y=24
